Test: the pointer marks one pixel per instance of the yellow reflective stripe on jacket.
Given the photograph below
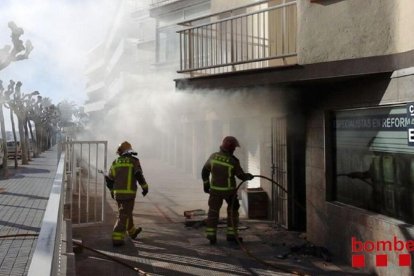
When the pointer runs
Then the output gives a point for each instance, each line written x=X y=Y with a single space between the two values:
x=230 y=168
x=121 y=164
x=130 y=176
x=124 y=191
x=221 y=188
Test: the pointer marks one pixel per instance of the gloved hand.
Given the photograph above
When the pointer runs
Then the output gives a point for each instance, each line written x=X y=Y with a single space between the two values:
x=248 y=176
x=145 y=191
x=109 y=182
x=207 y=188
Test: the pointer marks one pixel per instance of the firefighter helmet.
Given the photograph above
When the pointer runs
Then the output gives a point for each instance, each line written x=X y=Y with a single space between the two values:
x=230 y=143
x=123 y=147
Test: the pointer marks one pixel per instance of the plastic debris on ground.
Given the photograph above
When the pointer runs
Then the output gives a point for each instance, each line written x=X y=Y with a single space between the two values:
x=195 y=218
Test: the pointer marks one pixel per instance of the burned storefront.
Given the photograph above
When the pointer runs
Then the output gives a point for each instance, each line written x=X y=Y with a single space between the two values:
x=373 y=160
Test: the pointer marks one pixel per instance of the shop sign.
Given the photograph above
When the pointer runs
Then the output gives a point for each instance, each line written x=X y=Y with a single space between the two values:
x=384 y=122
x=399 y=120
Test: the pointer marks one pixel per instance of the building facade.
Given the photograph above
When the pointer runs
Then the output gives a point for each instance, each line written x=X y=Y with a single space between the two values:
x=117 y=73
x=319 y=93
x=340 y=136
x=182 y=146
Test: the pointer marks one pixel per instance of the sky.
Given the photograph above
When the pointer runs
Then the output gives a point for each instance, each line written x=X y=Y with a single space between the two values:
x=62 y=32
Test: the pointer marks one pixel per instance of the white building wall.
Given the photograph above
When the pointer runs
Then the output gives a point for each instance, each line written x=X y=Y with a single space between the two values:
x=338 y=30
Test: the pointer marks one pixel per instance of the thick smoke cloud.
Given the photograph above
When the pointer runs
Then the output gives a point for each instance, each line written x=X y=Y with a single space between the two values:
x=182 y=125
x=152 y=109
x=61 y=33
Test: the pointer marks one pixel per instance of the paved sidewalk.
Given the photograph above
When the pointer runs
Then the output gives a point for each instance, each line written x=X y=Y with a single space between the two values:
x=23 y=200
x=167 y=247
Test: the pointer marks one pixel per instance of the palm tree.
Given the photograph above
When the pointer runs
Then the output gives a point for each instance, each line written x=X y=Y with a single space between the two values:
x=81 y=119
x=67 y=112
x=3 y=130
x=18 y=107
x=10 y=105
x=36 y=117
x=52 y=120
x=30 y=114
x=44 y=117
x=18 y=51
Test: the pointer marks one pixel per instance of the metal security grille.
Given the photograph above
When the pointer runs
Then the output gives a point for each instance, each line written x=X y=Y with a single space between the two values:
x=279 y=172
x=85 y=189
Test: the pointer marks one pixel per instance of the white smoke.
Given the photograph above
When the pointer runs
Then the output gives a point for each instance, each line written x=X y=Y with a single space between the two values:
x=142 y=115
x=61 y=33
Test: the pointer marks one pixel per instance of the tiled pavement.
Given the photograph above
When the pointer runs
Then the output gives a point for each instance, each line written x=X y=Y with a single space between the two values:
x=167 y=247
x=23 y=199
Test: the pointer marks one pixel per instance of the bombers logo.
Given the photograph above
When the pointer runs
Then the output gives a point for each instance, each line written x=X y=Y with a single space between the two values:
x=380 y=249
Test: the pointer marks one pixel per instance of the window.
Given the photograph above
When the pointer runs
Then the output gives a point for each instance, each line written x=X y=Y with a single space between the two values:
x=168 y=45
x=373 y=163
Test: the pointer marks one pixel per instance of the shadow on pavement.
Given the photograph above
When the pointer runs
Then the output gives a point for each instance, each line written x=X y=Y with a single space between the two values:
x=16 y=226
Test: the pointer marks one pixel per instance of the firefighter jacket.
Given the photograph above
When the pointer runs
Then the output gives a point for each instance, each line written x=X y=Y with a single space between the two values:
x=223 y=167
x=125 y=172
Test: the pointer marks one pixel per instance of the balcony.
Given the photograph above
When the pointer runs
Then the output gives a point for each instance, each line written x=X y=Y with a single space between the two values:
x=254 y=36
x=160 y=8
x=93 y=88
x=159 y=3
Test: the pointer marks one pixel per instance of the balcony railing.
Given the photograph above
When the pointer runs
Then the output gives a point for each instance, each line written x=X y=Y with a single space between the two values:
x=263 y=37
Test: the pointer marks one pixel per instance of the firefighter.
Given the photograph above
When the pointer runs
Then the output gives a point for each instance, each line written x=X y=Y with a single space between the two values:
x=223 y=167
x=122 y=179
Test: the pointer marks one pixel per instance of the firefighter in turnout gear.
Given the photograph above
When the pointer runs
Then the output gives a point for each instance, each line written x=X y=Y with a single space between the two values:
x=223 y=166
x=124 y=173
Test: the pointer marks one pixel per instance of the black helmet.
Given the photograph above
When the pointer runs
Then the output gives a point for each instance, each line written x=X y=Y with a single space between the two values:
x=230 y=143
x=123 y=147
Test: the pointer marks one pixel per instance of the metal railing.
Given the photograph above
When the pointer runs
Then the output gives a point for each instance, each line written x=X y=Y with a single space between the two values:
x=77 y=189
x=85 y=189
x=49 y=248
x=264 y=37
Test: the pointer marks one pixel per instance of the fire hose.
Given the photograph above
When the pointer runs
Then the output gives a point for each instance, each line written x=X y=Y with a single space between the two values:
x=246 y=250
x=241 y=245
x=107 y=256
x=112 y=258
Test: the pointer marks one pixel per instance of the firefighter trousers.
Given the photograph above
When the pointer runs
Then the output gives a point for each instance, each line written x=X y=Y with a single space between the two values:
x=215 y=202
x=124 y=222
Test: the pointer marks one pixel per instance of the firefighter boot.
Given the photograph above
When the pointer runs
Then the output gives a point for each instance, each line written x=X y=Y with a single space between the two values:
x=118 y=242
x=117 y=238
x=135 y=233
x=233 y=238
x=212 y=239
